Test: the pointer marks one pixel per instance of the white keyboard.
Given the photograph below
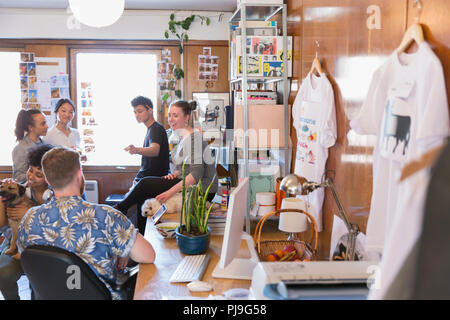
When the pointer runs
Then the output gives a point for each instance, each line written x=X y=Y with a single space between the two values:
x=190 y=268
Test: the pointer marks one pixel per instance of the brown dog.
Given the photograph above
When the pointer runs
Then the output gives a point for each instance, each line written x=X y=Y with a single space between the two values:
x=12 y=194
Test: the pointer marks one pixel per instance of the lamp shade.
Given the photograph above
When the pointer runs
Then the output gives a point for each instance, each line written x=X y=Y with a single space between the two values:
x=292 y=184
x=293 y=222
x=97 y=13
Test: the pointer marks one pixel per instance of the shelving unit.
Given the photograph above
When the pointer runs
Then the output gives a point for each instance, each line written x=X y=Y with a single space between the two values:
x=253 y=115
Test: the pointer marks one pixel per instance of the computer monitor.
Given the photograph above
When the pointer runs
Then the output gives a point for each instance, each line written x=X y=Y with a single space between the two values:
x=229 y=266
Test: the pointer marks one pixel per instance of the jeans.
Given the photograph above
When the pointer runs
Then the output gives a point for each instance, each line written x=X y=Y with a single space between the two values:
x=10 y=272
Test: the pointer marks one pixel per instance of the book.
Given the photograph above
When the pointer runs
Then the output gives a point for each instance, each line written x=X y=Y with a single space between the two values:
x=273 y=69
x=254 y=66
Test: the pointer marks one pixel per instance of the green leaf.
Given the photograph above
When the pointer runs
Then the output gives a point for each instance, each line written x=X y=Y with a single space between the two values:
x=172 y=16
x=208 y=21
x=165 y=97
x=178 y=93
x=166 y=34
x=186 y=38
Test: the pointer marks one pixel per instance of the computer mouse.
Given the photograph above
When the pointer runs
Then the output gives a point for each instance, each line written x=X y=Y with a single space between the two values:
x=199 y=286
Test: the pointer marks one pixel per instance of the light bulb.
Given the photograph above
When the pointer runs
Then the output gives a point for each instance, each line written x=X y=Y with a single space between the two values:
x=97 y=13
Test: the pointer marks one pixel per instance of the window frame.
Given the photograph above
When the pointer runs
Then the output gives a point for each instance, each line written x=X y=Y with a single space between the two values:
x=8 y=169
x=73 y=51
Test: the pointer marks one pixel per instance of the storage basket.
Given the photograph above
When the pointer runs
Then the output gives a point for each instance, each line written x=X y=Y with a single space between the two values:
x=306 y=250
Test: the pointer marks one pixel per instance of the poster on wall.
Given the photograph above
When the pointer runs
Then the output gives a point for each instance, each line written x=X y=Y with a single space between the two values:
x=208 y=65
x=88 y=122
x=28 y=81
x=166 y=78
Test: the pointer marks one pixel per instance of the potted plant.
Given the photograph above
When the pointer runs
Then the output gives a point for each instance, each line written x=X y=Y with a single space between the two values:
x=193 y=234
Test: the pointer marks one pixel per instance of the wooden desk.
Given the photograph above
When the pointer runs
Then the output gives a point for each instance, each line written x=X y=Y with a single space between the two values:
x=153 y=279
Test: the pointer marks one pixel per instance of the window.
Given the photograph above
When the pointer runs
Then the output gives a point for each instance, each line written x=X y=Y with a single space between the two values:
x=106 y=84
x=11 y=103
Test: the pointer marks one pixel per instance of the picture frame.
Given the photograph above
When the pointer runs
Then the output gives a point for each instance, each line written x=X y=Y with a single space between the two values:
x=210 y=114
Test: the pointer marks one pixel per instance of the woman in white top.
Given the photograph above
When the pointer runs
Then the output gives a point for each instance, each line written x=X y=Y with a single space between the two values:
x=62 y=134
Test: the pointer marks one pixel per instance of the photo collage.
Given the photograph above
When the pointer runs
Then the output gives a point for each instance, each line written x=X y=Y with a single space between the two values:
x=88 y=122
x=28 y=81
x=166 y=78
x=59 y=88
x=208 y=65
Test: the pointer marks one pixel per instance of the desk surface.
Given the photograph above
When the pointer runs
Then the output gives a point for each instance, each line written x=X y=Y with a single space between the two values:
x=153 y=279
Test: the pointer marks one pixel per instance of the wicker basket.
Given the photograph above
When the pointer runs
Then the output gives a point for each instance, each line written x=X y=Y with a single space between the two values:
x=305 y=250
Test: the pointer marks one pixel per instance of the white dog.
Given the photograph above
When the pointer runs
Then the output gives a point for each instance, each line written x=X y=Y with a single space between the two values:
x=173 y=205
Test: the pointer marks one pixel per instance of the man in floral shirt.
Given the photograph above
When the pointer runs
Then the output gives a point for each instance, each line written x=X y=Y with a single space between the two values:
x=102 y=236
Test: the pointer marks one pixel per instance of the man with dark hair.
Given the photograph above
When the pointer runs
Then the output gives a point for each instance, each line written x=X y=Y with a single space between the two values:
x=155 y=152
x=100 y=235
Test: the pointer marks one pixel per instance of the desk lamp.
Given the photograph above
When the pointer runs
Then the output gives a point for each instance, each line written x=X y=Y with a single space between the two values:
x=295 y=185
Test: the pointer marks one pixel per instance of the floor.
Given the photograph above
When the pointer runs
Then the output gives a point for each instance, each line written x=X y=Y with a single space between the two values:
x=24 y=289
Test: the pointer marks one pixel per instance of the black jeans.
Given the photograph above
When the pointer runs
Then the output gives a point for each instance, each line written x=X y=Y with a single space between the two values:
x=147 y=188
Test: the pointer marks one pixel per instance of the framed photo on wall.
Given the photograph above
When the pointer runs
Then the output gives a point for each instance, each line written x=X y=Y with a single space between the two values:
x=210 y=113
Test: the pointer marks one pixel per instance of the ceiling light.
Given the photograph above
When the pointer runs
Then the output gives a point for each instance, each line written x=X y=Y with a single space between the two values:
x=97 y=13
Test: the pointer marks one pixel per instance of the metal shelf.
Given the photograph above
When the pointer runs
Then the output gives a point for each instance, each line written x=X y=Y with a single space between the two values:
x=258 y=79
x=255 y=12
x=262 y=12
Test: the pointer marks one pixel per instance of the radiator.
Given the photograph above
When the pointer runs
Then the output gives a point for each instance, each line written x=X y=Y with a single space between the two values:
x=91 y=191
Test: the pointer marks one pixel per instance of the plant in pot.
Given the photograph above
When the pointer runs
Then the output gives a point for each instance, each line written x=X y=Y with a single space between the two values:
x=193 y=234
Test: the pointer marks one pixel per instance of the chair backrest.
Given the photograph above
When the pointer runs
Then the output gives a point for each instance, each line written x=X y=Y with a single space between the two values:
x=57 y=274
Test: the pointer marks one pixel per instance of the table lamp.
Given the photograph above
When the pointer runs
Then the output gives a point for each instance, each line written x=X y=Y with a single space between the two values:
x=296 y=185
x=292 y=222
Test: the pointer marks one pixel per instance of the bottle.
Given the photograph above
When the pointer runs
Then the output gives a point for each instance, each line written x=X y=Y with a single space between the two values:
x=280 y=195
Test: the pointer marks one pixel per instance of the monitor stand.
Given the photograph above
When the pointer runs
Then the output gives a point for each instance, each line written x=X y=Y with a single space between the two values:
x=239 y=268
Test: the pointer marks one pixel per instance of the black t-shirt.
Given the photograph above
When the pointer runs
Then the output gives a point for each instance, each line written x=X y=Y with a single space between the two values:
x=155 y=166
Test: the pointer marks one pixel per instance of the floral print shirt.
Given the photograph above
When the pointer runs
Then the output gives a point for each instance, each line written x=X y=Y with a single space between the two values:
x=96 y=233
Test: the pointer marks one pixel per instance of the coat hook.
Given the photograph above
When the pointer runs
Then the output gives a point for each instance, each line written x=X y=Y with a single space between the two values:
x=417 y=3
x=317 y=47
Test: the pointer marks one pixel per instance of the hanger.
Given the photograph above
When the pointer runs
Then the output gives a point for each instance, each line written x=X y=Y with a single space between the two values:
x=414 y=32
x=426 y=161
x=316 y=62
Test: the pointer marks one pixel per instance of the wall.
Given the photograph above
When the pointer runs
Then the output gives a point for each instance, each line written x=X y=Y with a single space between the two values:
x=134 y=24
x=350 y=53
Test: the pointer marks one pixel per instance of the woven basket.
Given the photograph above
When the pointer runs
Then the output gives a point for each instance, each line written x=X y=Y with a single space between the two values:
x=305 y=250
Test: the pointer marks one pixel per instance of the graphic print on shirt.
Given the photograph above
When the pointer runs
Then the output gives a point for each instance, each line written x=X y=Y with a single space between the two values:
x=396 y=129
x=307 y=137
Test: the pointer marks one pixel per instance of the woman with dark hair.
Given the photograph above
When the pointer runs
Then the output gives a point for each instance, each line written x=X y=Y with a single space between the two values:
x=38 y=191
x=30 y=126
x=62 y=134
x=200 y=164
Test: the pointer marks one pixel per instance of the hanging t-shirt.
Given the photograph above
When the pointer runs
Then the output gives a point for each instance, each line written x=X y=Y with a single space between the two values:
x=406 y=107
x=314 y=118
x=406 y=227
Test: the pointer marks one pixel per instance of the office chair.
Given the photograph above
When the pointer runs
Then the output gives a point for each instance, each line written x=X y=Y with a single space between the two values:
x=52 y=271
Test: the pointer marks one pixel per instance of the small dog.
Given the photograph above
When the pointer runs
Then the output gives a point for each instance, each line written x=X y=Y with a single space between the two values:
x=12 y=194
x=173 y=205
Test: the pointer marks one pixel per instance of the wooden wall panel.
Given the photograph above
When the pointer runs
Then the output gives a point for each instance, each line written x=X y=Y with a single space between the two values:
x=191 y=53
x=349 y=53
x=435 y=22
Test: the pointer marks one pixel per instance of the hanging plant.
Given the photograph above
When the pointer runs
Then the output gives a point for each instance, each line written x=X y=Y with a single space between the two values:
x=180 y=28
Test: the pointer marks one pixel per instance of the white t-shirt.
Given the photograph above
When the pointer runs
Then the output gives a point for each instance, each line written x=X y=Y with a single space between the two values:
x=57 y=138
x=314 y=117
x=406 y=104
x=406 y=228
